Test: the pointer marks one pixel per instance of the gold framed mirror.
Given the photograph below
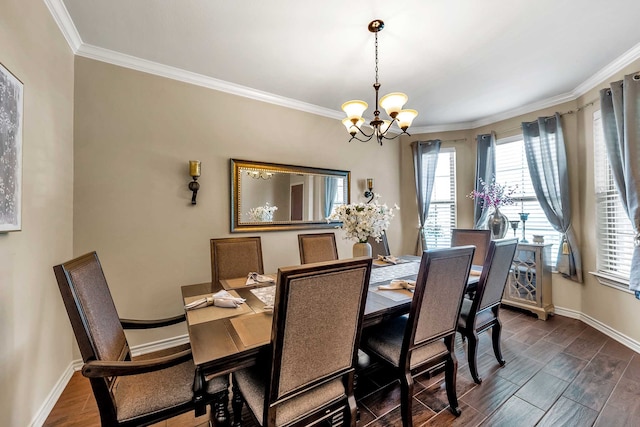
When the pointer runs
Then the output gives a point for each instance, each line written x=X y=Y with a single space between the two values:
x=272 y=196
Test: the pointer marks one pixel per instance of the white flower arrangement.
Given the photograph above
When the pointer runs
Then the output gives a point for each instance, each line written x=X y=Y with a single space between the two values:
x=363 y=220
x=262 y=213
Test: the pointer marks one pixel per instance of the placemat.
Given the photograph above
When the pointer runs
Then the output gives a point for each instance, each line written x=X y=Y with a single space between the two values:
x=253 y=330
x=391 y=272
x=209 y=313
x=395 y=295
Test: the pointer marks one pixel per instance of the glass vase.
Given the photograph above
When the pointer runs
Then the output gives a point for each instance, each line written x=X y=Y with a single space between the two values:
x=498 y=223
x=361 y=249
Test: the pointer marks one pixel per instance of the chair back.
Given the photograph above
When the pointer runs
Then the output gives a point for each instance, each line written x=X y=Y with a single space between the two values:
x=479 y=238
x=435 y=307
x=317 y=247
x=317 y=322
x=494 y=274
x=94 y=319
x=379 y=248
x=235 y=257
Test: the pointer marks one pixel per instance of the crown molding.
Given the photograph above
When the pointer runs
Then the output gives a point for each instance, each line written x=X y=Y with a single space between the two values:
x=150 y=67
x=62 y=18
x=618 y=64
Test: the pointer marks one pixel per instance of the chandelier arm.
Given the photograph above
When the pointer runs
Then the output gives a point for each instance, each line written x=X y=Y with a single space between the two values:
x=361 y=140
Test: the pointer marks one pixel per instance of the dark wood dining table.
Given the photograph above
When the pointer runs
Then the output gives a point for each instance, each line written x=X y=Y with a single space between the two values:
x=227 y=339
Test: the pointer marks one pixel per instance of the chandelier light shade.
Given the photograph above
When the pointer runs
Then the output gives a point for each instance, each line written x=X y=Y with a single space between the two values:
x=392 y=104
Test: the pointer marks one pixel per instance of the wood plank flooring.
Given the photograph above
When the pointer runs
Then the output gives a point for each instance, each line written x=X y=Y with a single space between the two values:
x=559 y=372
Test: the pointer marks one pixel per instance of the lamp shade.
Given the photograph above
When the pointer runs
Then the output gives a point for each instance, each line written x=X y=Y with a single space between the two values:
x=405 y=118
x=351 y=128
x=384 y=127
x=393 y=103
x=354 y=109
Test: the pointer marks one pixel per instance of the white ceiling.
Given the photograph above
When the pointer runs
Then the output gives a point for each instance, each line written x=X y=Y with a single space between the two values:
x=462 y=62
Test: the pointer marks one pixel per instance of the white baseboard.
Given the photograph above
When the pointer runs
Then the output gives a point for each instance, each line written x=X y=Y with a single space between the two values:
x=75 y=365
x=605 y=329
x=42 y=414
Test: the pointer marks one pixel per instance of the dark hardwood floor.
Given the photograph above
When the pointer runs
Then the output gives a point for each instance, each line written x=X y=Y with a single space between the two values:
x=559 y=372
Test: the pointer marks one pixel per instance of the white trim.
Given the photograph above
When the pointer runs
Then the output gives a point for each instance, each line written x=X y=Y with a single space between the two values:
x=76 y=365
x=61 y=16
x=150 y=67
x=596 y=324
x=48 y=404
x=614 y=282
x=67 y=27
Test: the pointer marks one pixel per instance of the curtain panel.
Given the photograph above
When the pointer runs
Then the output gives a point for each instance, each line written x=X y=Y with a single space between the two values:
x=547 y=160
x=425 y=161
x=485 y=171
x=330 y=191
x=620 y=109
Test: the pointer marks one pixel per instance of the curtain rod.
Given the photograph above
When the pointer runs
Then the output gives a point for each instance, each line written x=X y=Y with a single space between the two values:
x=580 y=108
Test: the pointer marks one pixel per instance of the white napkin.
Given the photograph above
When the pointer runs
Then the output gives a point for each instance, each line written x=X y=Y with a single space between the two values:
x=399 y=284
x=388 y=258
x=219 y=299
x=255 y=278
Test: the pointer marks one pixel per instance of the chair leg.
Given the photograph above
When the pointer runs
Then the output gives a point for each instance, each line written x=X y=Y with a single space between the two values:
x=472 y=353
x=220 y=408
x=495 y=337
x=450 y=376
x=236 y=404
x=406 y=398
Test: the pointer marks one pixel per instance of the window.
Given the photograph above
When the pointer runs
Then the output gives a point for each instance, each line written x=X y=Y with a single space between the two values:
x=613 y=227
x=512 y=169
x=442 y=210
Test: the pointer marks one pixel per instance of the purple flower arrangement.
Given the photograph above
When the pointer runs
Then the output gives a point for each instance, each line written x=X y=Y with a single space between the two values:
x=494 y=194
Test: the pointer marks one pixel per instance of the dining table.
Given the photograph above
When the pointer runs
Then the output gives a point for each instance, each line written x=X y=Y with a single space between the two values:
x=227 y=339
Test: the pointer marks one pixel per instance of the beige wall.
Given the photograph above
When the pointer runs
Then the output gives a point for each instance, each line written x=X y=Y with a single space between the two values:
x=613 y=309
x=134 y=134
x=35 y=334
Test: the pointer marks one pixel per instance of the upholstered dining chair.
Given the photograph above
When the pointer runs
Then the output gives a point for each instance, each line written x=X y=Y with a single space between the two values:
x=481 y=313
x=317 y=247
x=128 y=392
x=479 y=238
x=308 y=375
x=234 y=257
x=424 y=339
x=379 y=248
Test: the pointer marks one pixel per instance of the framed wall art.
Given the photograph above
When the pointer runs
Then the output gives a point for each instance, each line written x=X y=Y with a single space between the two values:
x=11 y=90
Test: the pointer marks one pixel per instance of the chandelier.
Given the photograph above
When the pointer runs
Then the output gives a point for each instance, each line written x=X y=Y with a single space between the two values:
x=392 y=104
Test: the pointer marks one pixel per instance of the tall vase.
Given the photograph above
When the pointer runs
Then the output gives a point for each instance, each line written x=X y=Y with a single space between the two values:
x=361 y=249
x=498 y=223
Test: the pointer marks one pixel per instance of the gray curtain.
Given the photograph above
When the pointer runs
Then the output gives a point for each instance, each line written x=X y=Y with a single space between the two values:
x=425 y=160
x=485 y=171
x=330 y=190
x=620 y=109
x=547 y=159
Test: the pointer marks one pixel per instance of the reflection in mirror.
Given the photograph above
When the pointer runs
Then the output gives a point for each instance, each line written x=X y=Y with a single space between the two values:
x=270 y=196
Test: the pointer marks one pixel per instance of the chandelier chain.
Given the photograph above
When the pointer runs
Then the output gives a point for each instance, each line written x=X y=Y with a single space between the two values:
x=376 y=45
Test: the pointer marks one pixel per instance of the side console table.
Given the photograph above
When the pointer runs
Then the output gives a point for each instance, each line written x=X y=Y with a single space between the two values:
x=529 y=283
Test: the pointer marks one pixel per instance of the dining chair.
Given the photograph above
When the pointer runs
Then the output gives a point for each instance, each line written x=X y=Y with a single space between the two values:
x=128 y=392
x=424 y=339
x=234 y=257
x=481 y=312
x=479 y=238
x=379 y=248
x=317 y=247
x=307 y=377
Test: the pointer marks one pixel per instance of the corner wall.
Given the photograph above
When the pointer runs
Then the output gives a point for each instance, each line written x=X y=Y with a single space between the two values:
x=35 y=334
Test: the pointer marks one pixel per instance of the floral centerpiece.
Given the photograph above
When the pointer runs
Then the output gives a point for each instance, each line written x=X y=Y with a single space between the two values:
x=262 y=213
x=363 y=220
x=494 y=195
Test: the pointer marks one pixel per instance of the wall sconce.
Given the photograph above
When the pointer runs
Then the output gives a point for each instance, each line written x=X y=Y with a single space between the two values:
x=194 y=172
x=369 y=193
